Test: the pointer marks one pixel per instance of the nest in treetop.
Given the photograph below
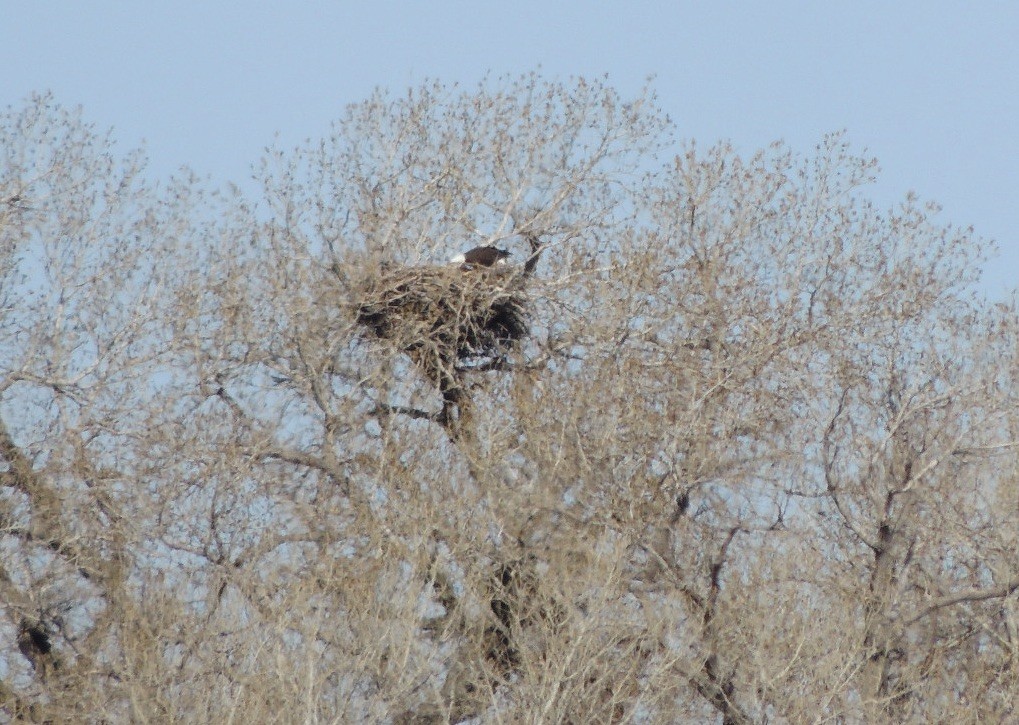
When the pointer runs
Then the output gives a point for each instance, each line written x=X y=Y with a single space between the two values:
x=450 y=318
x=446 y=315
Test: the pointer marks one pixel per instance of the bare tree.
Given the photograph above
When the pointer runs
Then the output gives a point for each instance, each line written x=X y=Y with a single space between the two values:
x=724 y=442
x=86 y=257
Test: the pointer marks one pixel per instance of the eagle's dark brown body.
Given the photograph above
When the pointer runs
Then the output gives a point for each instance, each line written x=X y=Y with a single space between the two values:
x=482 y=257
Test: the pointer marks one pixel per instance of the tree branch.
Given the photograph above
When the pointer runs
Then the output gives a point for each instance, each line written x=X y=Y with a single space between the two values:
x=967 y=595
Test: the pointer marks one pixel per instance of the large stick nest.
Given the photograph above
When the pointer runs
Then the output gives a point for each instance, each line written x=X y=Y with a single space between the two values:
x=446 y=316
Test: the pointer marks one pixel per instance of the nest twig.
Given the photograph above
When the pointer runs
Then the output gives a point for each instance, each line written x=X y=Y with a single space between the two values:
x=464 y=313
x=447 y=319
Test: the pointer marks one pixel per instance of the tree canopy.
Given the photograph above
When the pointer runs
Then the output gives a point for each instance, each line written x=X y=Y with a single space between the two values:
x=744 y=449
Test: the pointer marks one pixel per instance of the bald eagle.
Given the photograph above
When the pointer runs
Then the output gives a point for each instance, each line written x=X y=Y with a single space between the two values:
x=481 y=257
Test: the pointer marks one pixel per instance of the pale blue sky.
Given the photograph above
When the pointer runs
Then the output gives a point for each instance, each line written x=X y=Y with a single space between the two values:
x=930 y=88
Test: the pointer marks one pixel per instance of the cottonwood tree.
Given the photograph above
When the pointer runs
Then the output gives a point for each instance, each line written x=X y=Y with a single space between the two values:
x=86 y=258
x=754 y=458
